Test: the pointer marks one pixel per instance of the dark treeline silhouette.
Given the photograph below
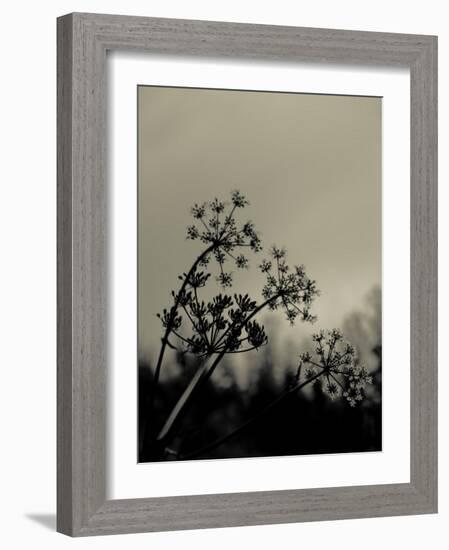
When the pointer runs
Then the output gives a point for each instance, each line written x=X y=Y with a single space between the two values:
x=303 y=423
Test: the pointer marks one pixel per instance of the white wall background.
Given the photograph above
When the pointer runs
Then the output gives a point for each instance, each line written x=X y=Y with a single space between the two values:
x=28 y=267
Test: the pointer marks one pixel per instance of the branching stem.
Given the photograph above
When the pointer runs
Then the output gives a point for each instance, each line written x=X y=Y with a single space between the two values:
x=257 y=416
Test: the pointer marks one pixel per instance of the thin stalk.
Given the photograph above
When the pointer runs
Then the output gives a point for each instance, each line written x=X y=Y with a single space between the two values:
x=169 y=327
x=182 y=402
x=202 y=375
x=257 y=416
x=165 y=341
x=200 y=318
x=244 y=322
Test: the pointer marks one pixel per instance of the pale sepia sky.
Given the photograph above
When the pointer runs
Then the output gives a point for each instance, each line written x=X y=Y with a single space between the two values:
x=310 y=166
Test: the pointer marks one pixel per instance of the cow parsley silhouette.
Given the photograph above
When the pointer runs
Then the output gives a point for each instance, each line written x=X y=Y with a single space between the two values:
x=217 y=227
x=334 y=364
x=217 y=326
x=228 y=324
x=290 y=289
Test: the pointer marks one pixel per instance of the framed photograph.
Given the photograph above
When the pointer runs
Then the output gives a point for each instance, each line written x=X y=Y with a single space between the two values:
x=308 y=169
x=247 y=282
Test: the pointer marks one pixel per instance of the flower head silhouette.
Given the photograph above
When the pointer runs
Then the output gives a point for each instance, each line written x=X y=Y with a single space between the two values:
x=215 y=225
x=218 y=326
x=335 y=365
x=288 y=288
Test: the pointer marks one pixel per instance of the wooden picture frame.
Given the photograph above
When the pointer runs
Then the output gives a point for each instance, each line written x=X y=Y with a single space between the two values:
x=83 y=40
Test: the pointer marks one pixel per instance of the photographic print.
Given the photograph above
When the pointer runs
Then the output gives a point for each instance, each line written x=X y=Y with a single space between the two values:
x=259 y=273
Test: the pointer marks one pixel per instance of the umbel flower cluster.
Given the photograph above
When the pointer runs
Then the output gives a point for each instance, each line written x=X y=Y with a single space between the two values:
x=290 y=289
x=216 y=226
x=221 y=325
x=226 y=323
x=334 y=365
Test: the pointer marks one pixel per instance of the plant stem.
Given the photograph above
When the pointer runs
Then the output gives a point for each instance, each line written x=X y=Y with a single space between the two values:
x=257 y=416
x=202 y=375
x=182 y=402
x=169 y=329
x=214 y=365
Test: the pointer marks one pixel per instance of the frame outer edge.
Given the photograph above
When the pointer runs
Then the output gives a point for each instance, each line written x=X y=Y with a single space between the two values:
x=260 y=508
x=64 y=274
x=82 y=268
x=424 y=273
x=89 y=271
x=82 y=282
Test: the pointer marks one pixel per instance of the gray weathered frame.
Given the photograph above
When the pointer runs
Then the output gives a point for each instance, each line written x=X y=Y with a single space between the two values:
x=83 y=40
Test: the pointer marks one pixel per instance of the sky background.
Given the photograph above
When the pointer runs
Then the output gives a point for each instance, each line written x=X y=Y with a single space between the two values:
x=310 y=166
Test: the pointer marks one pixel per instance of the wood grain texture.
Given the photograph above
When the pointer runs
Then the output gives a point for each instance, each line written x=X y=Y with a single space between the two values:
x=83 y=40
x=64 y=278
